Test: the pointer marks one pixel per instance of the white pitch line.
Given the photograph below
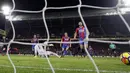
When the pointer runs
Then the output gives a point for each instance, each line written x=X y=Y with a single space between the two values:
x=66 y=69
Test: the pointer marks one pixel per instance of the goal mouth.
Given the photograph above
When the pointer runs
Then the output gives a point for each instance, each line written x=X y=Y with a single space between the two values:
x=8 y=12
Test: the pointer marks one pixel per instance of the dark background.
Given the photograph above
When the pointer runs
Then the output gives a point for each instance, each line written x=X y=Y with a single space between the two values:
x=99 y=25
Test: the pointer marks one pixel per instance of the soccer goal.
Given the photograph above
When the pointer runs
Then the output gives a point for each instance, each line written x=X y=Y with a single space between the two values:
x=65 y=38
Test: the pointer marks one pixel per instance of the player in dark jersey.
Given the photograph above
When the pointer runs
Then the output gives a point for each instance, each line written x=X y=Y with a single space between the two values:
x=65 y=46
x=34 y=41
x=82 y=34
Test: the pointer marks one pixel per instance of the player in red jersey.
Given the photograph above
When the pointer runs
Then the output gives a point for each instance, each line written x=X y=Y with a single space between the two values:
x=82 y=34
x=65 y=46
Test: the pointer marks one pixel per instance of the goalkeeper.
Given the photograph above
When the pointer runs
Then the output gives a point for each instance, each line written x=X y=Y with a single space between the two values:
x=42 y=52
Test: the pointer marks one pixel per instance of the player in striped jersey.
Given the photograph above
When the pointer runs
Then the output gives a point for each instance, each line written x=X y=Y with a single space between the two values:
x=65 y=46
x=81 y=32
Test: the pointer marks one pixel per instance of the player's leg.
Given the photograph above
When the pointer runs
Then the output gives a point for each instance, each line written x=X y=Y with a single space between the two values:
x=52 y=53
x=46 y=53
x=81 y=50
x=33 y=50
x=36 y=50
x=86 y=47
x=81 y=44
x=69 y=50
x=63 y=49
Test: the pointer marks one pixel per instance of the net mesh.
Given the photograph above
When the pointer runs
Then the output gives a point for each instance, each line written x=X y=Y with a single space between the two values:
x=79 y=6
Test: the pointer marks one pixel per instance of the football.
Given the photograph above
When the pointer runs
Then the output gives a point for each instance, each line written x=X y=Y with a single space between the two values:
x=125 y=58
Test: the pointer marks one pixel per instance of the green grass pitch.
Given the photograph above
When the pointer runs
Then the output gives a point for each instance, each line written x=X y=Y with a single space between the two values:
x=68 y=64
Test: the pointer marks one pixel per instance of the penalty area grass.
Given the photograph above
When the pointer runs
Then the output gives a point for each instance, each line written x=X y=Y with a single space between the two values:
x=68 y=64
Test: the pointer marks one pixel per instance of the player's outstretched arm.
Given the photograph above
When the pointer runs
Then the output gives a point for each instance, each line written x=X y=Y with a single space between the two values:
x=61 y=43
x=75 y=35
x=70 y=43
x=31 y=40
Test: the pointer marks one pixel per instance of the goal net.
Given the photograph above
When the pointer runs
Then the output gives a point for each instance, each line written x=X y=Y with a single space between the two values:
x=118 y=10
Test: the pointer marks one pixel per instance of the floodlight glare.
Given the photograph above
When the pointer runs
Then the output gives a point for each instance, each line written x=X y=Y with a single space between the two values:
x=126 y=2
x=124 y=10
x=6 y=10
x=8 y=17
